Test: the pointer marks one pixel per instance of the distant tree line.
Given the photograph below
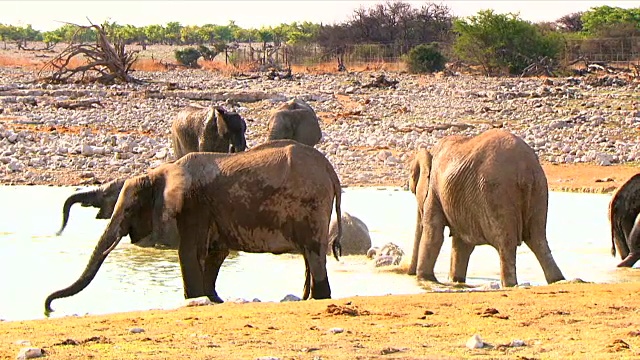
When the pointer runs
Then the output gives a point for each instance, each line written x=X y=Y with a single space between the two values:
x=495 y=41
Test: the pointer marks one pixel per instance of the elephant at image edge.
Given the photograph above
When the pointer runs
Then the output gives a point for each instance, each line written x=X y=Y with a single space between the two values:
x=624 y=217
x=488 y=189
x=295 y=120
x=276 y=198
x=104 y=198
x=355 y=238
x=207 y=129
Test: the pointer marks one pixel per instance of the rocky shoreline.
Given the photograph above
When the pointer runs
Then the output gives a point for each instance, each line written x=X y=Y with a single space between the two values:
x=88 y=134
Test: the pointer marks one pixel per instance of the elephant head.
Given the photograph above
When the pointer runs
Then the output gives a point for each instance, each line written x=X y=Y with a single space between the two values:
x=624 y=209
x=104 y=198
x=143 y=208
x=295 y=120
x=207 y=129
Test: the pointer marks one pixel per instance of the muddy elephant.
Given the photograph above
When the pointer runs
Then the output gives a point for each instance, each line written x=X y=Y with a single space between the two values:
x=104 y=198
x=211 y=129
x=355 y=238
x=276 y=198
x=488 y=189
x=624 y=217
x=295 y=120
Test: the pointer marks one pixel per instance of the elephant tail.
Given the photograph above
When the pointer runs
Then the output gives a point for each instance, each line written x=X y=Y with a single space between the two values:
x=336 y=247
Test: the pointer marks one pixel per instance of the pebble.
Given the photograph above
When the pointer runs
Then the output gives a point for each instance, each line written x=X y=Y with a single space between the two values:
x=136 y=330
x=374 y=132
x=335 y=330
x=199 y=301
x=475 y=342
x=290 y=297
x=30 y=353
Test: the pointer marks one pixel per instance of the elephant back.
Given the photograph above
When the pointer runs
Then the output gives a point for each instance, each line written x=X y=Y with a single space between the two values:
x=355 y=235
x=295 y=120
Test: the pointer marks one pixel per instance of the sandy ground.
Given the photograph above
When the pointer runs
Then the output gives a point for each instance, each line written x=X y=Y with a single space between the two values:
x=561 y=321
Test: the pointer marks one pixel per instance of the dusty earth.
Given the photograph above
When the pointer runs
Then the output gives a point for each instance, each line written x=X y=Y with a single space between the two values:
x=561 y=321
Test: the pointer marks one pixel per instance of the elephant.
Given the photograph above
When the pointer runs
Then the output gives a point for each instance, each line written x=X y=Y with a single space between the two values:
x=488 y=189
x=295 y=120
x=624 y=216
x=276 y=198
x=355 y=235
x=104 y=198
x=210 y=129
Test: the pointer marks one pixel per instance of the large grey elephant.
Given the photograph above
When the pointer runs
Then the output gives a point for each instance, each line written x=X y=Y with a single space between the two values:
x=105 y=197
x=355 y=238
x=624 y=216
x=488 y=189
x=295 y=120
x=211 y=129
x=276 y=198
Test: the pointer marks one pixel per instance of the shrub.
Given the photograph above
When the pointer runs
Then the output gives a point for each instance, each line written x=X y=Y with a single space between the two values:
x=188 y=57
x=425 y=58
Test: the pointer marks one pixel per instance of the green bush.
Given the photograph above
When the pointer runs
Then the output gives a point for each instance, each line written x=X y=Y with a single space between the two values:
x=188 y=57
x=425 y=58
x=503 y=42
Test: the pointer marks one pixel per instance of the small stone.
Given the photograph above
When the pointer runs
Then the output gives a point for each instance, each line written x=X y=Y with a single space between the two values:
x=199 y=301
x=517 y=343
x=335 y=330
x=30 y=353
x=23 y=342
x=136 y=330
x=290 y=297
x=475 y=342
x=86 y=150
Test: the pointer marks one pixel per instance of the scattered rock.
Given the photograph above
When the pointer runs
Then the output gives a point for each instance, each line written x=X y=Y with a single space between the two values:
x=335 y=330
x=136 y=330
x=30 y=353
x=290 y=297
x=199 y=301
x=475 y=342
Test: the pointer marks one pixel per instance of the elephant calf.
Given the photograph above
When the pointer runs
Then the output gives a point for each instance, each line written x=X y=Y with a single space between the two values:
x=488 y=189
x=207 y=129
x=276 y=198
x=295 y=120
x=624 y=217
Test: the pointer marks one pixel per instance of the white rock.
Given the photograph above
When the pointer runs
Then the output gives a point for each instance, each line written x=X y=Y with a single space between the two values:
x=603 y=159
x=12 y=138
x=199 y=301
x=335 y=330
x=124 y=169
x=475 y=342
x=30 y=353
x=15 y=166
x=517 y=343
x=383 y=154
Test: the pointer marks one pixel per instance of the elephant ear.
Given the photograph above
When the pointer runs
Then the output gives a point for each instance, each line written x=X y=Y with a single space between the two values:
x=170 y=183
x=221 y=121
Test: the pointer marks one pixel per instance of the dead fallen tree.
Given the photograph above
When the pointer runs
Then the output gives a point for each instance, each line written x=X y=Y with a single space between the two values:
x=104 y=62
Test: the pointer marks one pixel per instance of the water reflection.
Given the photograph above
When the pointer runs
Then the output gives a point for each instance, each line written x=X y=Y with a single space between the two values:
x=35 y=262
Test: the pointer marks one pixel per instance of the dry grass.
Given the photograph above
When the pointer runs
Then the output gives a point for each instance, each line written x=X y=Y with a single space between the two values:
x=12 y=61
x=332 y=67
x=563 y=321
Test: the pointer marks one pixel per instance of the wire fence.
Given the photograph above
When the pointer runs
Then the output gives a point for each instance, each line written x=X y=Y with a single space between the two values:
x=620 y=51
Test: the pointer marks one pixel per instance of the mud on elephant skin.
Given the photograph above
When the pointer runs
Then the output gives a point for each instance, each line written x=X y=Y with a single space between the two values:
x=276 y=198
x=488 y=189
x=295 y=120
x=624 y=216
x=355 y=235
x=211 y=129
x=105 y=198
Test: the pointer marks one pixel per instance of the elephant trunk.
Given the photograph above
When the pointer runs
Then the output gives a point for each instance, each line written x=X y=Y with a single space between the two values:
x=88 y=198
x=108 y=241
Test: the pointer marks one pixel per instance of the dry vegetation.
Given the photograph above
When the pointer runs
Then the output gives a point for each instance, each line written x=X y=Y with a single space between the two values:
x=562 y=321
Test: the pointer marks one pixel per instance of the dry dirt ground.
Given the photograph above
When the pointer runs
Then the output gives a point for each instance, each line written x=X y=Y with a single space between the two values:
x=561 y=321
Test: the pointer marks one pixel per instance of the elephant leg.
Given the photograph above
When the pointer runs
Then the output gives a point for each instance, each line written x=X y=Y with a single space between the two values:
x=540 y=248
x=192 y=256
x=433 y=223
x=212 y=265
x=633 y=240
x=416 y=244
x=507 y=255
x=307 y=281
x=319 y=280
x=460 y=255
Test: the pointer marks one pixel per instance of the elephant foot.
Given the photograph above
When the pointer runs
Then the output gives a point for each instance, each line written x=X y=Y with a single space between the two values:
x=215 y=299
x=630 y=260
x=428 y=277
x=321 y=290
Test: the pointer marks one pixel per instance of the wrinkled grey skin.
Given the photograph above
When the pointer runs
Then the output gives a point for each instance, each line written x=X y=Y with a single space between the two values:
x=488 y=189
x=624 y=215
x=295 y=120
x=355 y=235
x=276 y=198
x=207 y=129
x=105 y=198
